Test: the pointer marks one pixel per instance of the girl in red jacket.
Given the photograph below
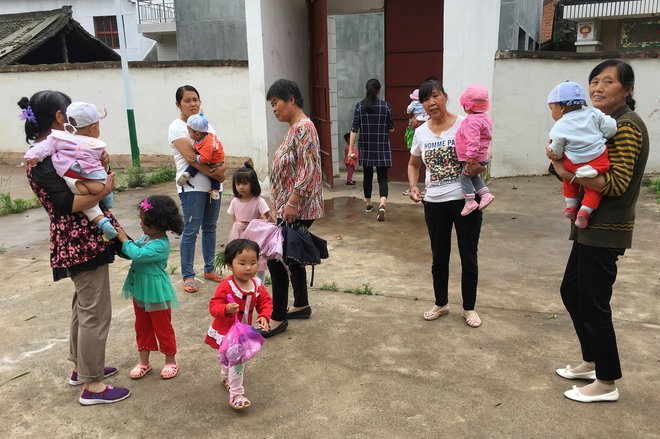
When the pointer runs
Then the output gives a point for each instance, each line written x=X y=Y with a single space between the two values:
x=241 y=256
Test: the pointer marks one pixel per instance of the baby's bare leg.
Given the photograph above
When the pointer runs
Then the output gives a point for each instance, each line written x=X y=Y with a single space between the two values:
x=89 y=187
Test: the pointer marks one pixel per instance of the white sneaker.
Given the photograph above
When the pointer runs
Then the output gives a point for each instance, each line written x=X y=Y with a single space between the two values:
x=181 y=181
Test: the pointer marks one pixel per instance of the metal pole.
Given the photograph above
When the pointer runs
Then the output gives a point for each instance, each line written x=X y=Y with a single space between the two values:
x=132 y=132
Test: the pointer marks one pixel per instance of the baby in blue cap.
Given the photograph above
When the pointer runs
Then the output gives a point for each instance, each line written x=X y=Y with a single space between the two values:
x=579 y=137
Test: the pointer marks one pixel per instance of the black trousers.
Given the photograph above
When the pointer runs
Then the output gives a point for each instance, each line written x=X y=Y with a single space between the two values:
x=586 y=291
x=381 y=173
x=440 y=218
x=280 y=282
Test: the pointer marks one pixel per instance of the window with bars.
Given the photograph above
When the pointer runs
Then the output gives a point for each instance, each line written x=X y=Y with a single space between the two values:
x=105 y=29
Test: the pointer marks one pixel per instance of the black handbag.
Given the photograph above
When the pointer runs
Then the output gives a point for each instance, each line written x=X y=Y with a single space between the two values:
x=302 y=247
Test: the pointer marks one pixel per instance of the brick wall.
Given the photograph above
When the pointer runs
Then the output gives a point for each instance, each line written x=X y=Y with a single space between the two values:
x=548 y=17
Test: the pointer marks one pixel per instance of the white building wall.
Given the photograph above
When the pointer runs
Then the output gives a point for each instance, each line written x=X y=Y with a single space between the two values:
x=278 y=47
x=471 y=31
x=224 y=93
x=84 y=12
x=521 y=119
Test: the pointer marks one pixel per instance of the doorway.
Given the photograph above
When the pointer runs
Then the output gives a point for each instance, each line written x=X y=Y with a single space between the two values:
x=407 y=41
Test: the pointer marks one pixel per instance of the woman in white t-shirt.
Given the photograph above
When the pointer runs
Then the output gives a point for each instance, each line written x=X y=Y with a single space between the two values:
x=198 y=210
x=433 y=145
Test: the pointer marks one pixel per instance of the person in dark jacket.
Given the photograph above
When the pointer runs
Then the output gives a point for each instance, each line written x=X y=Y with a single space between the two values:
x=372 y=119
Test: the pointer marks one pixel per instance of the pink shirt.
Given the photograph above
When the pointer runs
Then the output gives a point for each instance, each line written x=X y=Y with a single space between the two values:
x=473 y=138
x=65 y=149
x=244 y=212
x=296 y=169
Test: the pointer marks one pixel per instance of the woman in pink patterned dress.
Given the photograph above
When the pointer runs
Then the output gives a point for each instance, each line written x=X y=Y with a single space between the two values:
x=296 y=196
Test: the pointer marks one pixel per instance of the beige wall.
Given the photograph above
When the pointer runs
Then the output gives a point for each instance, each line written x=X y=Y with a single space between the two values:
x=521 y=119
x=468 y=59
x=224 y=92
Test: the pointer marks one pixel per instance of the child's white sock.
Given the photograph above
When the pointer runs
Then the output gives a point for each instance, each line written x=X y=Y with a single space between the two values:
x=571 y=202
x=587 y=209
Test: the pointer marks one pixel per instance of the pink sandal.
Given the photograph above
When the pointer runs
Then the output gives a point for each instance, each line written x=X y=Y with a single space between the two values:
x=239 y=402
x=169 y=371
x=140 y=370
x=225 y=382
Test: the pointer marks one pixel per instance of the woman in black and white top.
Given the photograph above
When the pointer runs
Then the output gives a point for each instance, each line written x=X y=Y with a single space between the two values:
x=433 y=145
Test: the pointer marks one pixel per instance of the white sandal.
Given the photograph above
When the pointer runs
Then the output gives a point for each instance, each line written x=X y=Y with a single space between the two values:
x=436 y=312
x=472 y=318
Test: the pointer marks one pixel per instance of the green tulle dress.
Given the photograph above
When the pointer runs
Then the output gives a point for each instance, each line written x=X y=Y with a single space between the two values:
x=148 y=283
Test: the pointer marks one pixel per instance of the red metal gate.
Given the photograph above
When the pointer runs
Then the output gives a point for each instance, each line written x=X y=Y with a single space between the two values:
x=320 y=83
x=413 y=52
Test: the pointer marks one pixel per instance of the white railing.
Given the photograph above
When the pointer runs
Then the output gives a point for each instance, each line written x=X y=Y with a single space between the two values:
x=611 y=9
x=156 y=11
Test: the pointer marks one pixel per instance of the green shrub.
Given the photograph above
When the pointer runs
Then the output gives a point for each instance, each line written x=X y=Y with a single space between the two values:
x=135 y=176
x=330 y=287
x=365 y=290
x=219 y=262
x=9 y=206
x=162 y=174
x=655 y=187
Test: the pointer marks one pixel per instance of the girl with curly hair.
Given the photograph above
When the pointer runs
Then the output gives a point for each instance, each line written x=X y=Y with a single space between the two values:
x=149 y=285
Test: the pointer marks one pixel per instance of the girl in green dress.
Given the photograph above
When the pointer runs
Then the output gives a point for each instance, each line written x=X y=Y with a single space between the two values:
x=149 y=285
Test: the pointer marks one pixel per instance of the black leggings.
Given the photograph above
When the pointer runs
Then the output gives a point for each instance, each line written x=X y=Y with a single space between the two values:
x=440 y=219
x=381 y=172
x=280 y=282
x=586 y=291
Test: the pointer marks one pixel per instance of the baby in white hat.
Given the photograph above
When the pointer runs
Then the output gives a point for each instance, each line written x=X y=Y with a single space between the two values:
x=208 y=150
x=579 y=136
x=76 y=156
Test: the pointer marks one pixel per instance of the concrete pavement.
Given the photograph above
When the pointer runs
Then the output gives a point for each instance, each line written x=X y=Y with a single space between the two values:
x=364 y=366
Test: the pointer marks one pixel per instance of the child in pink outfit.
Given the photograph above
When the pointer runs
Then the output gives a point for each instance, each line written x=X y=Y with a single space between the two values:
x=473 y=146
x=247 y=205
x=76 y=155
x=350 y=160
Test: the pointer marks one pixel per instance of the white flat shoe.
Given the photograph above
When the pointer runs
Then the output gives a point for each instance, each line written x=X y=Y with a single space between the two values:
x=575 y=395
x=566 y=373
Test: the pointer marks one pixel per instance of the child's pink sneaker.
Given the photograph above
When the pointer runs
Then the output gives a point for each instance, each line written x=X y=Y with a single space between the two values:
x=582 y=219
x=486 y=199
x=570 y=213
x=470 y=206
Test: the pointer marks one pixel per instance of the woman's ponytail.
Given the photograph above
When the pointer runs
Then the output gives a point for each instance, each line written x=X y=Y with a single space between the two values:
x=373 y=88
x=39 y=112
x=32 y=128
